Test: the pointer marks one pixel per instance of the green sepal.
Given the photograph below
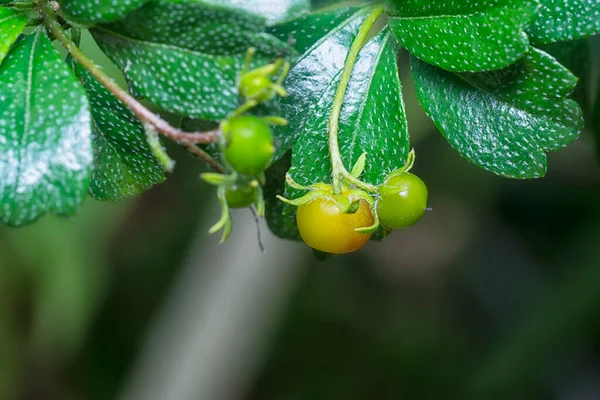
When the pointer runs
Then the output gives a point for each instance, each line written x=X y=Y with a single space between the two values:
x=218 y=179
x=158 y=149
x=360 y=194
x=410 y=162
x=273 y=120
x=307 y=198
x=359 y=167
x=225 y=221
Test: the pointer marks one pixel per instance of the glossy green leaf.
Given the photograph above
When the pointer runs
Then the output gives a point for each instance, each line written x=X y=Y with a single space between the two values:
x=575 y=55
x=123 y=162
x=372 y=120
x=560 y=20
x=281 y=217
x=468 y=35
x=315 y=72
x=504 y=121
x=94 y=11
x=308 y=29
x=272 y=10
x=186 y=57
x=12 y=24
x=45 y=134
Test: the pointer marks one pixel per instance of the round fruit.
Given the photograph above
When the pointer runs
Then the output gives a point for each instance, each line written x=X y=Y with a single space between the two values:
x=256 y=86
x=249 y=144
x=402 y=201
x=240 y=198
x=325 y=227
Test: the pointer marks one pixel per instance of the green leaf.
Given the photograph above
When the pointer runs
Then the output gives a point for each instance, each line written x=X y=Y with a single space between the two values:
x=281 y=217
x=560 y=20
x=45 y=137
x=123 y=162
x=90 y=12
x=503 y=121
x=272 y=10
x=372 y=120
x=575 y=55
x=12 y=24
x=467 y=35
x=186 y=57
x=316 y=72
x=308 y=29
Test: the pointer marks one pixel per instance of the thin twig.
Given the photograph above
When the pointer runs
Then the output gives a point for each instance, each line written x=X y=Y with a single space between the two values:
x=204 y=156
x=187 y=139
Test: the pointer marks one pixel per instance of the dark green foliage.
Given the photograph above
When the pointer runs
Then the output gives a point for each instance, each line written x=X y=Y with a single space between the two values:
x=463 y=35
x=499 y=102
x=45 y=134
x=560 y=20
x=123 y=162
x=12 y=24
x=503 y=121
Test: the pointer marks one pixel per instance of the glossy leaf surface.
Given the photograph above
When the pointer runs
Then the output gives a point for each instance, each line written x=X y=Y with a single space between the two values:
x=12 y=24
x=186 y=57
x=93 y=11
x=372 y=120
x=315 y=74
x=308 y=29
x=575 y=55
x=272 y=10
x=468 y=35
x=123 y=162
x=281 y=217
x=504 y=121
x=45 y=137
x=560 y=20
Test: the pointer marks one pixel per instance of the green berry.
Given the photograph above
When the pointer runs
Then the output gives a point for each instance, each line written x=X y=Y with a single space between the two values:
x=248 y=144
x=402 y=200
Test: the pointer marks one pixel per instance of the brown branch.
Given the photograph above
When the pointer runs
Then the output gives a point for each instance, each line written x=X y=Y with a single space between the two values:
x=187 y=139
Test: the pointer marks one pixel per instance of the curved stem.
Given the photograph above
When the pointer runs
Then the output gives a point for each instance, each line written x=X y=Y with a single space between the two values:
x=337 y=165
x=187 y=139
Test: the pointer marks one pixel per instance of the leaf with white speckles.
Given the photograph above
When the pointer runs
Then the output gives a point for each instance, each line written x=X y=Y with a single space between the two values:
x=560 y=20
x=315 y=72
x=372 y=120
x=186 y=57
x=45 y=137
x=575 y=55
x=93 y=11
x=12 y=24
x=308 y=29
x=467 y=35
x=504 y=121
x=124 y=165
x=273 y=10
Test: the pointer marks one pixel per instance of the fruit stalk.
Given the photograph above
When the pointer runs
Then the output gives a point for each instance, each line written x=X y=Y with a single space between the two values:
x=339 y=171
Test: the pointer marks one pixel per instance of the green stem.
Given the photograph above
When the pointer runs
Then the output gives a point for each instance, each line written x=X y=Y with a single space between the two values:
x=187 y=139
x=337 y=165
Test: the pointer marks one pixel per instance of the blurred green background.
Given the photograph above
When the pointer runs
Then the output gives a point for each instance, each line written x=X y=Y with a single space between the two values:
x=495 y=294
